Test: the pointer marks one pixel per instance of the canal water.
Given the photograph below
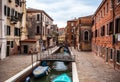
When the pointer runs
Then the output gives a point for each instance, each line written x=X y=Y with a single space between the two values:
x=57 y=68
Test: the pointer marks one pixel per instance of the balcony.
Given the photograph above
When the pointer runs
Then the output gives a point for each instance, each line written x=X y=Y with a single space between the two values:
x=47 y=23
x=13 y=20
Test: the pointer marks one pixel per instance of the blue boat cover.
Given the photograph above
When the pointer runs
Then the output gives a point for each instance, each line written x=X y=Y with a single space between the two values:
x=62 y=78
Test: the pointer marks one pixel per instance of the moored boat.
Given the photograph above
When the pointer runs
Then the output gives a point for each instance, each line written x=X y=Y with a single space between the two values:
x=40 y=71
x=62 y=78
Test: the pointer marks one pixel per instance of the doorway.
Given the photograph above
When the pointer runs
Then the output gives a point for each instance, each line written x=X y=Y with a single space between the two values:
x=8 y=51
x=106 y=55
x=25 y=47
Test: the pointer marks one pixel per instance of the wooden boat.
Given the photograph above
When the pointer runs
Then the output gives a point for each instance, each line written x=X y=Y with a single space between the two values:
x=40 y=71
x=62 y=78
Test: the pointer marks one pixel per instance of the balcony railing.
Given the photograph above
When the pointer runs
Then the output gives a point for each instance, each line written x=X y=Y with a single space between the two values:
x=14 y=20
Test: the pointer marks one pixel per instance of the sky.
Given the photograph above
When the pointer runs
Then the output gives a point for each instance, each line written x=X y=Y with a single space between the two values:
x=63 y=10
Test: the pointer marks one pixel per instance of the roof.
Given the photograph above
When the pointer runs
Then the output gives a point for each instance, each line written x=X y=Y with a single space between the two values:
x=32 y=10
x=89 y=16
x=29 y=40
x=87 y=20
x=73 y=20
x=101 y=4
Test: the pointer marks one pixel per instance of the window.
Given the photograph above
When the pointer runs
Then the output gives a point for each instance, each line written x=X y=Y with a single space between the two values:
x=12 y=12
x=107 y=8
x=8 y=30
x=72 y=24
x=72 y=37
x=107 y=30
x=118 y=56
x=12 y=44
x=111 y=56
x=95 y=33
x=17 y=2
x=104 y=11
x=8 y=11
x=38 y=29
x=103 y=31
x=16 y=14
x=86 y=36
x=111 y=29
x=101 y=14
x=16 y=31
x=38 y=17
x=20 y=4
x=117 y=27
x=5 y=9
x=8 y=42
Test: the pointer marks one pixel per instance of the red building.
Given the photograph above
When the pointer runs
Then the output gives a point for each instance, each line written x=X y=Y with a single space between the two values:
x=106 y=31
x=84 y=33
x=70 y=29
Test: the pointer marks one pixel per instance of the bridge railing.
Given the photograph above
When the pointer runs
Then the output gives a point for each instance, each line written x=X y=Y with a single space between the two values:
x=57 y=57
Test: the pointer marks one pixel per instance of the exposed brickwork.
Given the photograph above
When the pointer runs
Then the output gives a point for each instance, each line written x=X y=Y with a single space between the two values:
x=103 y=31
x=71 y=24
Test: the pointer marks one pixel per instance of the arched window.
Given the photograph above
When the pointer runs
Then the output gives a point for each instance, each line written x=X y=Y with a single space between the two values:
x=86 y=36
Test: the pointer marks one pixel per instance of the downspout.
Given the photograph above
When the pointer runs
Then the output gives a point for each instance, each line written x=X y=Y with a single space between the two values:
x=113 y=7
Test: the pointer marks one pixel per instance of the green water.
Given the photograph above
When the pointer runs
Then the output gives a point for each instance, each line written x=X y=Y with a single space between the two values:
x=52 y=74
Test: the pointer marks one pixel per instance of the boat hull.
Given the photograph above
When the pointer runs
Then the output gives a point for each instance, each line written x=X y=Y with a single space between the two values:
x=40 y=71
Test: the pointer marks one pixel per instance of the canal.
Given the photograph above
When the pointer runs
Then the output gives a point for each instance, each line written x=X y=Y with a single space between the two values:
x=57 y=68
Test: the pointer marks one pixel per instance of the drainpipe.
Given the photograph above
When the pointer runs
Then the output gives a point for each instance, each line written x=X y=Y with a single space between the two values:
x=113 y=7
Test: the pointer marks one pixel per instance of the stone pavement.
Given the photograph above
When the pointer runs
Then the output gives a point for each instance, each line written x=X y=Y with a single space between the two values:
x=92 y=68
x=14 y=64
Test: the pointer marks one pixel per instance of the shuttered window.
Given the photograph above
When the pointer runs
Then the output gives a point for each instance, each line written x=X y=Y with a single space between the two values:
x=5 y=10
x=8 y=11
x=8 y=30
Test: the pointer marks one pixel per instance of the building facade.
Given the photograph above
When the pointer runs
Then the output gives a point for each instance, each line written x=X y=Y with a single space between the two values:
x=83 y=33
x=10 y=26
x=70 y=29
x=53 y=32
x=61 y=37
x=38 y=25
x=106 y=31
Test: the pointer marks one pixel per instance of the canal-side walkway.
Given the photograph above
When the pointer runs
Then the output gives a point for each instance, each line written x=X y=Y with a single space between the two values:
x=92 y=68
x=14 y=64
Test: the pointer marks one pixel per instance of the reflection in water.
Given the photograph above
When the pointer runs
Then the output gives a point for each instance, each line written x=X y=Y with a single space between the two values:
x=59 y=66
